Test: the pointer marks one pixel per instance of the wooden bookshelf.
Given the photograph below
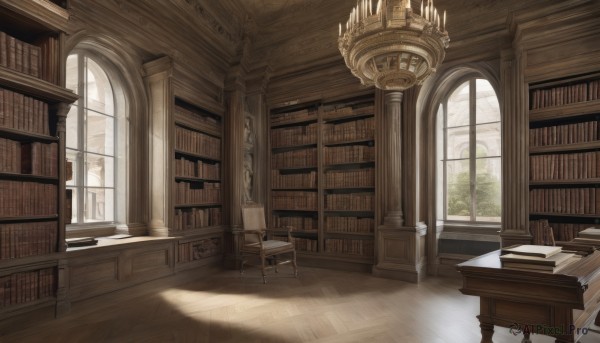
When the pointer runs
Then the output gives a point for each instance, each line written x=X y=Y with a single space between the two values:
x=323 y=177
x=32 y=174
x=197 y=172
x=564 y=155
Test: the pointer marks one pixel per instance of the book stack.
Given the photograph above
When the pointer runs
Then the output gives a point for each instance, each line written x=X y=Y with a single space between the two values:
x=536 y=258
x=590 y=233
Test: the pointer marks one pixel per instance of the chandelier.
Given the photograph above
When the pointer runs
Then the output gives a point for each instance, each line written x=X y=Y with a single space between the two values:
x=391 y=46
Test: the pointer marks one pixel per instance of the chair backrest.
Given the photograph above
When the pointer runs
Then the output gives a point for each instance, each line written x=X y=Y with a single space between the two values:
x=253 y=218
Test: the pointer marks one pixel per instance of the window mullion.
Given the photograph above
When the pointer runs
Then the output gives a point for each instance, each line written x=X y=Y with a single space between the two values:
x=472 y=149
x=81 y=138
x=445 y=147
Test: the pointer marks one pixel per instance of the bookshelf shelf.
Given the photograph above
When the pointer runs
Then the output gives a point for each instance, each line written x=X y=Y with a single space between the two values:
x=195 y=179
x=565 y=111
x=211 y=204
x=340 y=169
x=305 y=120
x=28 y=177
x=565 y=147
x=591 y=181
x=18 y=135
x=354 y=116
x=294 y=146
x=28 y=218
x=348 y=142
x=571 y=215
x=35 y=87
x=198 y=156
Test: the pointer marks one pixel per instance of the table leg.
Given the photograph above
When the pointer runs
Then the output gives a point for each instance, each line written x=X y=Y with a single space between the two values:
x=487 y=331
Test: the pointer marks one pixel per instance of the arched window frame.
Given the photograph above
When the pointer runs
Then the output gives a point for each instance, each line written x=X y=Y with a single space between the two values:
x=124 y=68
x=443 y=159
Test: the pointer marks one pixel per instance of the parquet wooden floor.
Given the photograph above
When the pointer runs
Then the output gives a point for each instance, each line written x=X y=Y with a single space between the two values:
x=324 y=306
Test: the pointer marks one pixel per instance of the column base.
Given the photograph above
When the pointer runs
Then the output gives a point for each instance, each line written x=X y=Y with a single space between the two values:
x=232 y=259
x=401 y=252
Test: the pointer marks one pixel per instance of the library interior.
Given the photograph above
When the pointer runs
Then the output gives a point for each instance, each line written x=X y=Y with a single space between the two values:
x=290 y=171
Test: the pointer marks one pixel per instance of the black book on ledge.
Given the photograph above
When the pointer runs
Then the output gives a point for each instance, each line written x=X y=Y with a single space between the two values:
x=81 y=241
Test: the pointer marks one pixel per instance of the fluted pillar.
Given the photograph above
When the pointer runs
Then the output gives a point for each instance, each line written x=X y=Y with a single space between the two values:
x=515 y=167
x=399 y=247
x=392 y=164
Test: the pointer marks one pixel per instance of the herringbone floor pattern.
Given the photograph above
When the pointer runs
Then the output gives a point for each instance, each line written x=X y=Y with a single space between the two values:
x=322 y=306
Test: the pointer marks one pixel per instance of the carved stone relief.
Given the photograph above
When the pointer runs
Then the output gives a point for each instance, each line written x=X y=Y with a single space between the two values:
x=249 y=151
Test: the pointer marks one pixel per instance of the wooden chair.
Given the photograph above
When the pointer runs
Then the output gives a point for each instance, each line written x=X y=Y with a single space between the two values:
x=254 y=243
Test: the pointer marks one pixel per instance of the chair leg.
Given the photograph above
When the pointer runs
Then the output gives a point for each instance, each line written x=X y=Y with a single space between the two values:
x=294 y=264
x=275 y=262
x=264 y=274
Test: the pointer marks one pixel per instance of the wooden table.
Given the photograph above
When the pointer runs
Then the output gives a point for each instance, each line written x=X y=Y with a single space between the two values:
x=561 y=305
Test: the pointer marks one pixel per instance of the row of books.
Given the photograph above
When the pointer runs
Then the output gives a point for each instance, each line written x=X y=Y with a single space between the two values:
x=541 y=232
x=353 y=130
x=358 y=247
x=568 y=231
x=537 y=258
x=298 y=223
x=564 y=134
x=295 y=158
x=199 y=169
x=580 y=166
x=335 y=112
x=197 y=250
x=188 y=194
x=19 y=198
x=49 y=68
x=24 y=287
x=562 y=95
x=349 y=224
x=27 y=239
x=349 y=154
x=294 y=200
x=306 y=244
x=350 y=202
x=295 y=135
x=565 y=200
x=350 y=178
x=28 y=158
x=301 y=180
x=193 y=116
x=24 y=113
x=20 y=56
x=197 y=218
x=197 y=143
x=291 y=116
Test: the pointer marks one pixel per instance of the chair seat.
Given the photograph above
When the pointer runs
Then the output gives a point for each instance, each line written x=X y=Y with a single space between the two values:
x=269 y=247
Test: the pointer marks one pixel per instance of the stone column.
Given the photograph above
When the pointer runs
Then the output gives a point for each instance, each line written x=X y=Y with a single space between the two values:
x=235 y=93
x=399 y=247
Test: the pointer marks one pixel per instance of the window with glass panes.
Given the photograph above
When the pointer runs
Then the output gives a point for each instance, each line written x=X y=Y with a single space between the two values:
x=470 y=149
x=91 y=141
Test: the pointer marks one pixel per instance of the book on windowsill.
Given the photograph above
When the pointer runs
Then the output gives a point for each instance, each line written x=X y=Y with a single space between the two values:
x=81 y=241
x=532 y=250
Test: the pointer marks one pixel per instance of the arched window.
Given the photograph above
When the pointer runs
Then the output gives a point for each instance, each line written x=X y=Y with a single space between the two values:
x=469 y=153
x=91 y=141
